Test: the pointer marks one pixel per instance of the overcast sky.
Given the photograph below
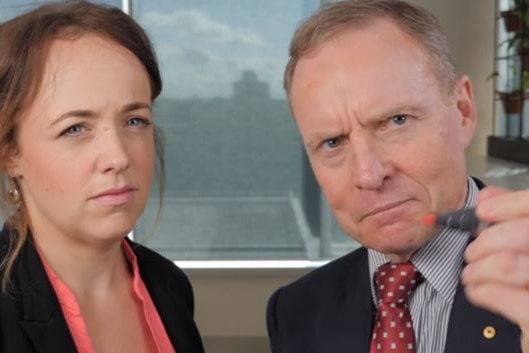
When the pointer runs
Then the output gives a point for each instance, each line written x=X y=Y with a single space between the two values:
x=204 y=45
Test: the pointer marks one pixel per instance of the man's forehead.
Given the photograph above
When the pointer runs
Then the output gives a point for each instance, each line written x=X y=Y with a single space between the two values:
x=378 y=50
x=355 y=43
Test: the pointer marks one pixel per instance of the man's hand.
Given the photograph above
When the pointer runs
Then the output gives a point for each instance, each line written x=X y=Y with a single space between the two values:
x=497 y=275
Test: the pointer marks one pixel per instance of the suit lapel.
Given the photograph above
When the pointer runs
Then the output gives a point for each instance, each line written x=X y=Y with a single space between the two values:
x=349 y=319
x=43 y=320
x=466 y=329
x=352 y=315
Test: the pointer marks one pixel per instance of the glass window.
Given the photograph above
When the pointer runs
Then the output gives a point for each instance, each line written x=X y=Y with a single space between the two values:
x=11 y=8
x=238 y=183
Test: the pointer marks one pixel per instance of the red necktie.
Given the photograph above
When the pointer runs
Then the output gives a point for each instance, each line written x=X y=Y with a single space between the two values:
x=393 y=331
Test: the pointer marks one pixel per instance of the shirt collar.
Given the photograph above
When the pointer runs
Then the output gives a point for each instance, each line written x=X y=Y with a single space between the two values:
x=441 y=260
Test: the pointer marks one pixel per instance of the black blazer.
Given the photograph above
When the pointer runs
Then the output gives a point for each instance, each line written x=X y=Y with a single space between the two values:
x=31 y=320
x=331 y=310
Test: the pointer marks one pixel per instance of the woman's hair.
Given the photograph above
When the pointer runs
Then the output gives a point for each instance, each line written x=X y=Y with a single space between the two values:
x=24 y=44
x=335 y=19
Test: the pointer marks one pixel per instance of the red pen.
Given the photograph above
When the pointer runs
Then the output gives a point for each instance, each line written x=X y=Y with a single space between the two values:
x=464 y=219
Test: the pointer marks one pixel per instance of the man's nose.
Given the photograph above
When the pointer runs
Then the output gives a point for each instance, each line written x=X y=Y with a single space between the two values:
x=370 y=166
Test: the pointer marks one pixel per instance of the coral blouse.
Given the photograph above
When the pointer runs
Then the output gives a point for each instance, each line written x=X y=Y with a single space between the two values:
x=75 y=321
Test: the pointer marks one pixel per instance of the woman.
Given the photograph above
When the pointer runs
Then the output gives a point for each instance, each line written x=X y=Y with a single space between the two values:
x=77 y=82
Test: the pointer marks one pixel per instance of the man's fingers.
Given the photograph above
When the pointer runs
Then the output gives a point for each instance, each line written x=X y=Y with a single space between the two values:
x=507 y=236
x=512 y=305
x=505 y=268
x=496 y=206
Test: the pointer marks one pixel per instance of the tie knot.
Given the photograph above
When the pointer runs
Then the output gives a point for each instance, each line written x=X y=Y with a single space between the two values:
x=395 y=282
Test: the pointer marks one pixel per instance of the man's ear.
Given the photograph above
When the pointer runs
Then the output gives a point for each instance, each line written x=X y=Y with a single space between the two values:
x=466 y=108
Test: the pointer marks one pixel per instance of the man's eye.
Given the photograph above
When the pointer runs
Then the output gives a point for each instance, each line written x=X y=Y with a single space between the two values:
x=332 y=143
x=399 y=119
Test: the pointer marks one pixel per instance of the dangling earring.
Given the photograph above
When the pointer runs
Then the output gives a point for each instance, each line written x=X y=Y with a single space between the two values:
x=13 y=193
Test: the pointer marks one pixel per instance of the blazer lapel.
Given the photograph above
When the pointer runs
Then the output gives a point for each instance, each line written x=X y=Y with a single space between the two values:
x=43 y=320
x=49 y=336
x=170 y=304
x=349 y=319
x=468 y=323
x=175 y=317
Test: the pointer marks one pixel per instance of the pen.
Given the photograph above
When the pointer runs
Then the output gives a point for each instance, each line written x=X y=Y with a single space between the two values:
x=464 y=219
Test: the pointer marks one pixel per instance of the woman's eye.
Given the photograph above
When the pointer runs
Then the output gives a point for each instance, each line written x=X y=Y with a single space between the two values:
x=399 y=119
x=139 y=122
x=332 y=143
x=73 y=130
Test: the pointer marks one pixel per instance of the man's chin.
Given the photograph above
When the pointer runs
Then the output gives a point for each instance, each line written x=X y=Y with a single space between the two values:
x=401 y=239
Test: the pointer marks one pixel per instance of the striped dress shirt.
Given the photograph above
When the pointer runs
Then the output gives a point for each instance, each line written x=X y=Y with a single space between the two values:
x=440 y=262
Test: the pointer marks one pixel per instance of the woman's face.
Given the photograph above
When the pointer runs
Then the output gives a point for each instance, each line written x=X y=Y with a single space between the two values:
x=86 y=143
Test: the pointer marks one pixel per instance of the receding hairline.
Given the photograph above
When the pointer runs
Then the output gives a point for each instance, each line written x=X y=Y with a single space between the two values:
x=346 y=28
x=329 y=33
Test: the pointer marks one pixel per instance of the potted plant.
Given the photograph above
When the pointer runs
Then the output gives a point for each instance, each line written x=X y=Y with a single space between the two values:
x=516 y=80
x=513 y=19
x=512 y=101
x=512 y=86
x=514 y=83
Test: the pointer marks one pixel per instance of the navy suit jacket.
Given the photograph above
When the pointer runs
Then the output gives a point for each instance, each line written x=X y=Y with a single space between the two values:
x=31 y=320
x=331 y=310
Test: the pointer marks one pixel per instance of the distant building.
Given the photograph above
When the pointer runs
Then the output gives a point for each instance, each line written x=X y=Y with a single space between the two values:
x=249 y=87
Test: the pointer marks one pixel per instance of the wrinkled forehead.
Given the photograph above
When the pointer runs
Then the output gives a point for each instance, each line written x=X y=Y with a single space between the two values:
x=366 y=75
x=371 y=43
x=380 y=48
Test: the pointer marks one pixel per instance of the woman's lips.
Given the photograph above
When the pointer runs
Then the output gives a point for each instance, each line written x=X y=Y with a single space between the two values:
x=115 y=197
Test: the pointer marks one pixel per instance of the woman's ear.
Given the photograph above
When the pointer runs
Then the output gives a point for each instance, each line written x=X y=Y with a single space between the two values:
x=10 y=160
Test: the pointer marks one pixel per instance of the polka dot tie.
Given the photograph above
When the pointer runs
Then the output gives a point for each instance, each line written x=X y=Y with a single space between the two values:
x=393 y=330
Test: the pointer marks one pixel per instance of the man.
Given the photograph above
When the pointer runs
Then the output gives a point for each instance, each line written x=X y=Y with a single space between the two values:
x=385 y=120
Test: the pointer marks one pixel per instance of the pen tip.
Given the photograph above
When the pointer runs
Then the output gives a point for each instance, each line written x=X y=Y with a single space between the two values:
x=429 y=219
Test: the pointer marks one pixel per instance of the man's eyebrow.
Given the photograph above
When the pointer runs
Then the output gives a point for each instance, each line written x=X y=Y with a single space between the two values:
x=85 y=113
x=407 y=108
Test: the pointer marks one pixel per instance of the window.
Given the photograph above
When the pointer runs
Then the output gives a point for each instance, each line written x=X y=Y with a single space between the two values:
x=238 y=183
x=11 y=8
x=235 y=169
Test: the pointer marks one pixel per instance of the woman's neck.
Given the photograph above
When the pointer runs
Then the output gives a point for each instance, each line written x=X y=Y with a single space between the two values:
x=88 y=269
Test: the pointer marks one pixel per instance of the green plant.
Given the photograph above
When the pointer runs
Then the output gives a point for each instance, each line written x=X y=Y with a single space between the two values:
x=515 y=49
x=521 y=4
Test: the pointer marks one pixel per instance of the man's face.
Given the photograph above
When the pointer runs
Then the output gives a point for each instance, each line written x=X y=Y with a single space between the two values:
x=384 y=138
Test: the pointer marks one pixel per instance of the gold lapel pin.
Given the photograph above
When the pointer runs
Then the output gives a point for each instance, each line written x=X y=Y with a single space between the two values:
x=489 y=332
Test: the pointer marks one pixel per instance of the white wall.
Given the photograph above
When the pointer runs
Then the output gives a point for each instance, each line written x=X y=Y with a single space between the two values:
x=231 y=306
x=469 y=26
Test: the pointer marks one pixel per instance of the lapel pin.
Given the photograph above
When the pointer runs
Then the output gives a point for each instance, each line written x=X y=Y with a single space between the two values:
x=489 y=332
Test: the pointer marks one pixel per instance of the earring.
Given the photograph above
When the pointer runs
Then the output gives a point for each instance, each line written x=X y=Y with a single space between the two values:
x=13 y=193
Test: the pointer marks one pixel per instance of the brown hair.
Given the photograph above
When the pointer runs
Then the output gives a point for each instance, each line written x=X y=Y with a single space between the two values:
x=23 y=48
x=334 y=19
